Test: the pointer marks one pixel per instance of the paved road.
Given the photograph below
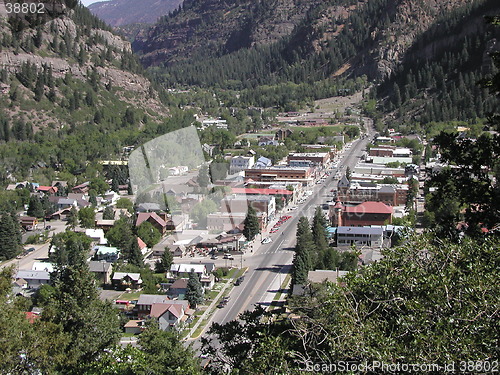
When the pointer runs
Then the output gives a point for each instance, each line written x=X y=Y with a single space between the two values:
x=41 y=252
x=270 y=262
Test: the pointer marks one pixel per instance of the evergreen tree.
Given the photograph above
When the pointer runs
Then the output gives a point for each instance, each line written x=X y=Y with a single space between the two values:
x=304 y=252
x=114 y=185
x=251 y=224
x=319 y=230
x=121 y=235
x=300 y=270
x=9 y=236
x=194 y=292
x=165 y=352
x=91 y=324
x=203 y=177
x=39 y=87
x=109 y=213
x=164 y=264
x=72 y=222
x=35 y=207
x=148 y=233
x=86 y=216
x=135 y=255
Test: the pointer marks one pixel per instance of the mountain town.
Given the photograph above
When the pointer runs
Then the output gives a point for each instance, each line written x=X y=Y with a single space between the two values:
x=249 y=187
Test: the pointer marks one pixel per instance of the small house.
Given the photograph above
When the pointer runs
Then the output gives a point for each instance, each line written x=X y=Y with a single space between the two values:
x=124 y=280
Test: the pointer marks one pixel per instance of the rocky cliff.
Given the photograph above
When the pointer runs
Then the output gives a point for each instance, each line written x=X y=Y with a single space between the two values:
x=381 y=31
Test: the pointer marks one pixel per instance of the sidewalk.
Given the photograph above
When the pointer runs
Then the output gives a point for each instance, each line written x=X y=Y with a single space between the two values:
x=207 y=312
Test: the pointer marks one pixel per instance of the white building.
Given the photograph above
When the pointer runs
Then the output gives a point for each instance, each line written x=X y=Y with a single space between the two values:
x=240 y=163
x=219 y=124
x=367 y=236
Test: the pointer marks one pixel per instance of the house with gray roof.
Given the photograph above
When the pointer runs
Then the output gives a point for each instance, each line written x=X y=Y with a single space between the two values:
x=33 y=279
x=102 y=270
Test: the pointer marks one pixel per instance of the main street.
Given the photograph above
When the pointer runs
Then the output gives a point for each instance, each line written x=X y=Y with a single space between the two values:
x=269 y=263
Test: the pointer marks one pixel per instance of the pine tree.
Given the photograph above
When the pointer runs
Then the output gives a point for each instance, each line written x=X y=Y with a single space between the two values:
x=35 y=207
x=203 y=177
x=251 y=224
x=72 y=218
x=109 y=213
x=300 y=270
x=304 y=252
x=114 y=185
x=39 y=87
x=9 y=236
x=167 y=259
x=194 y=292
x=319 y=230
x=135 y=255
x=91 y=324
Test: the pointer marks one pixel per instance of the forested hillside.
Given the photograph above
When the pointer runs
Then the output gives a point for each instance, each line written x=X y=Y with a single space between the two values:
x=72 y=93
x=446 y=64
x=124 y=12
x=277 y=52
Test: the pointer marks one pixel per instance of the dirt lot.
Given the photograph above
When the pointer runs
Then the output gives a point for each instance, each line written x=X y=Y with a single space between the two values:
x=336 y=103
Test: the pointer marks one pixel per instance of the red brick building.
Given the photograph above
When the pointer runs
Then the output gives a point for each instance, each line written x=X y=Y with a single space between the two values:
x=366 y=213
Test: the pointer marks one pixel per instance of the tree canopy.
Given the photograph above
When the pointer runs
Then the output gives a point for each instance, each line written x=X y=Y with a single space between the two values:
x=251 y=224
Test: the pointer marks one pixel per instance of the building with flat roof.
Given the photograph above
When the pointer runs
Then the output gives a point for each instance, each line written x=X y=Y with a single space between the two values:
x=362 y=191
x=379 y=170
x=317 y=158
x=304 y=175
x=368 y=236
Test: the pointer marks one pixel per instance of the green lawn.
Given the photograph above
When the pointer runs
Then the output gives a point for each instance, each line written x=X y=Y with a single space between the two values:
x=130 y=296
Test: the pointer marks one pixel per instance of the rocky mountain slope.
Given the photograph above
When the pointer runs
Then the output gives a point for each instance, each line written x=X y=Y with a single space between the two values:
x=76 y=47
x=125 y=12
x=71 y=93
x=372 y=36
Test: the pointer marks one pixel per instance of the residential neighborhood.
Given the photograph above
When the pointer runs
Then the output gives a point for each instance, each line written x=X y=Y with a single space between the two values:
x=359 y=204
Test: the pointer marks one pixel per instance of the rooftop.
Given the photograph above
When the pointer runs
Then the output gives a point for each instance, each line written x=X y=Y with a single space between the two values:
x=360 y=230
x=370 y=207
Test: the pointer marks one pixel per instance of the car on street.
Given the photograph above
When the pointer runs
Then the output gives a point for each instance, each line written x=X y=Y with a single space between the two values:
x=214 y=257
x=228 y=256
x=267 y=240
x=239 y=280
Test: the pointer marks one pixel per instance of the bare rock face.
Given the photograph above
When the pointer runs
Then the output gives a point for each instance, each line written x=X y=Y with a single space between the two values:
x=412 y=18
x=208 y=27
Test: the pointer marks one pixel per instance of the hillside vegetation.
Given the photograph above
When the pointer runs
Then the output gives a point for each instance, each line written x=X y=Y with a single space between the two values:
x=72 y=93
x=275 y=52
